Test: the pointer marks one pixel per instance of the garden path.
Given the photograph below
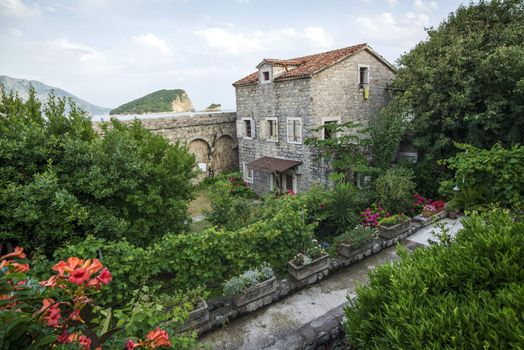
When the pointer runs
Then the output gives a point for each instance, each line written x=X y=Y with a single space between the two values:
x=264 y=327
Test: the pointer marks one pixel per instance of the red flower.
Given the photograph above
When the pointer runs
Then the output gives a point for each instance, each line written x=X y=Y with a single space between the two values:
x=79 y=276
x=20 y=267
x=18 y=253
x=131 y=345
x=50 y=312
x=95 y=283
x=85 y=342
x=159 y=337
x=64 y=337
x=105 y=276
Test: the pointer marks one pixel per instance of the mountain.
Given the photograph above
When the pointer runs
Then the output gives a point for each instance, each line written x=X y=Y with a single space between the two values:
x=158 y=101
x=214 y=107
x=43 y=90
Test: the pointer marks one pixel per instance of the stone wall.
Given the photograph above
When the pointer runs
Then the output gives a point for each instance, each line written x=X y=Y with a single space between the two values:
x=211 y=137
x=333 y=93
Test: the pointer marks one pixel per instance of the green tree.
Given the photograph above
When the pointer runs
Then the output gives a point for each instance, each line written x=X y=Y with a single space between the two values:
x=465 y=83
x=60 y=181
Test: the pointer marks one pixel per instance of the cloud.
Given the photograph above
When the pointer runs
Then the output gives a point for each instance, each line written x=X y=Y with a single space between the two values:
x=387 y=27
x=150 y=41
x=235 y=42
x=421 y=5
x=17 y=8
x=391 y=3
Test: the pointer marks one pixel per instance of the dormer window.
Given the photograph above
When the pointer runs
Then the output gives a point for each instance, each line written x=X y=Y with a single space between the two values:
x=266 y=76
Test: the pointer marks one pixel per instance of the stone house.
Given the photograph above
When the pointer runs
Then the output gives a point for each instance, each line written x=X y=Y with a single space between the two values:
x=279 y=105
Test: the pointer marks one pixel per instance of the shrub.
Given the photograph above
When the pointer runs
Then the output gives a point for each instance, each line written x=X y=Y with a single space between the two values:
x=61 y=312
x=231 y=204
x=60 y=181
x=496 y=173
x=358 y=236
x=467 y=295
x=395 y=188
x=343 y=207
x=238 y=285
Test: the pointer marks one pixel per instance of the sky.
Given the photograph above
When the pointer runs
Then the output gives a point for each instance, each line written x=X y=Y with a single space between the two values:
x=109 y=52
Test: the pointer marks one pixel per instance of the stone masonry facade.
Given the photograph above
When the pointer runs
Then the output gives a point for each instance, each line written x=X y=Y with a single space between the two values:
x=331 y=94
x=211 y=137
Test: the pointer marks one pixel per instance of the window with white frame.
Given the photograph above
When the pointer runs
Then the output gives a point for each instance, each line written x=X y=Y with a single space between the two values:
x=294 y=130
x=247 y=128
x=363 y=75
x=271 y=129
x=248 y=173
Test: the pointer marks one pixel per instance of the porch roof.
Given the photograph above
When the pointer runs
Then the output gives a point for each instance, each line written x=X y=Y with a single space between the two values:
x=270 y=164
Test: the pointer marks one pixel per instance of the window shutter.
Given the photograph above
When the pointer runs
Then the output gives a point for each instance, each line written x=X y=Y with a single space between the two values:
x=289 y=130
x=299 y=131
x=263 y=129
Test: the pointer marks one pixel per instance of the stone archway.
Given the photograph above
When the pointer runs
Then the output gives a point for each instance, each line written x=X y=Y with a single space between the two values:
x=201 y=150
x=224 y=156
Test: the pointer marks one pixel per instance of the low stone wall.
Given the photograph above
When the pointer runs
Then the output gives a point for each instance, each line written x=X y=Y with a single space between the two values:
x=222 y=310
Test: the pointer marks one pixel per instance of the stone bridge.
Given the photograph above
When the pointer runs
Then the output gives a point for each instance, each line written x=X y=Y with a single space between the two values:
x=211 y=137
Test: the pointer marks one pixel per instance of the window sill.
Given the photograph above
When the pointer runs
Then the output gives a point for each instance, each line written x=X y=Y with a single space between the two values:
x=294 y=142
x=249 y=181
x=272 y=140
x=247 y=138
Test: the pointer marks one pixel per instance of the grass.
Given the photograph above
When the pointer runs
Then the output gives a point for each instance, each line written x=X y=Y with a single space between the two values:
x=200 y=203
x=199 y=226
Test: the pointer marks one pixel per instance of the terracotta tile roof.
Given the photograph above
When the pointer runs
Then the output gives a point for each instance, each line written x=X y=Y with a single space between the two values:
x=306 y=65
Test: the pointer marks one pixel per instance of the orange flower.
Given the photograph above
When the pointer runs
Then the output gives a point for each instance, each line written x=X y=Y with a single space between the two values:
x=20 y=267
x=75 y=316
x=92 y=267
x=50 y=312
x=158 y=338
x=71 y=264
x=51 y=282
x=18 y=253
x=95 y=283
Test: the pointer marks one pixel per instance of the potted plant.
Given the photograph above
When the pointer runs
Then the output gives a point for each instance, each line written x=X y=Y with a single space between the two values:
x=355 y=240
x=309 y=262
x=200 y=313
x=453 y=209
x=250 y=286
x=392 y=226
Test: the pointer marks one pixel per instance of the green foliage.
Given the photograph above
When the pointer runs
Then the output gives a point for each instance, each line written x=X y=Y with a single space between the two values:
x=238 y=285
x=498 y=169
x=231 y=203
x=386 y=131
x=158 y=101
x=395 y=189
x=465 y=295
x=346 y=151
x=343 y=207
x=60 y=181
x=393 y=220
x=465 y=83
x=358 y=236
x=309 y=253
x=215 y=255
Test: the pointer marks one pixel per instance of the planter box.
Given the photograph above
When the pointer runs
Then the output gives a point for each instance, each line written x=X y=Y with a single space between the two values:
x=196 y=317
x=300 y=272
x=453 y=214
x=424 y=219
x=256 y=292
x=393 y=231
x=347 y=251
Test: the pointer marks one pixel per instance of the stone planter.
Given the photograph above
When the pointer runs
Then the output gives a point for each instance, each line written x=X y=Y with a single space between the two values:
x=256 y=292
x=301 y=272
x=347 y=251
x=453 y=214
x=196 y=317
x=393 y=231
x=425 y=219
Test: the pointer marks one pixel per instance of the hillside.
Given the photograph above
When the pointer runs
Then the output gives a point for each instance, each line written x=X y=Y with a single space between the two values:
x=42 y=91
x=158 y=101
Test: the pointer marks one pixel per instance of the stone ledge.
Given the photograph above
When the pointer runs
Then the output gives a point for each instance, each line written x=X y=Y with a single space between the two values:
x=222 y=309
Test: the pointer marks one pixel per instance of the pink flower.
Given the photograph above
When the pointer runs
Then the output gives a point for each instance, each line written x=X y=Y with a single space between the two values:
x=85 y=342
